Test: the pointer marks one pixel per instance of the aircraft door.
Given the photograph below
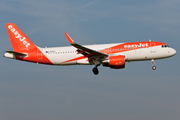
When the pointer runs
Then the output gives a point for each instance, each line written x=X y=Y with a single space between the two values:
x=153 y=47
x=39 y=55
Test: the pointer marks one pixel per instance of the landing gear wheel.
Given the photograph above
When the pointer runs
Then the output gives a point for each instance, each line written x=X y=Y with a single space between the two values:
x=154 y=67
x=95 y=70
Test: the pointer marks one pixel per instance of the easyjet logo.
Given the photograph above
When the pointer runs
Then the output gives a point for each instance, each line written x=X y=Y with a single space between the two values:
x=19 y=36
x=136 y=45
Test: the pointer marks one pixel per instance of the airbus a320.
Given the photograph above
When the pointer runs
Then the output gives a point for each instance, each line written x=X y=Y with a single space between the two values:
x=108 y=55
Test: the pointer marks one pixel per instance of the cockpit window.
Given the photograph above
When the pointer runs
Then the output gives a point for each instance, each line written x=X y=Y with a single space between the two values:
x=164 y=46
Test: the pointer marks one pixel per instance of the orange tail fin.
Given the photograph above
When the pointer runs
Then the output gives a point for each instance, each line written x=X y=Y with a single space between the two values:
x=19 y=41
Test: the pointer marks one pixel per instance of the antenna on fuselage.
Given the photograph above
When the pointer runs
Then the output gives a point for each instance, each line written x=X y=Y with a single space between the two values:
x=149 y=40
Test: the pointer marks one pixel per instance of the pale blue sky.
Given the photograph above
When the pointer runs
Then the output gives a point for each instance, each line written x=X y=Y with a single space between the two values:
x=41 y=92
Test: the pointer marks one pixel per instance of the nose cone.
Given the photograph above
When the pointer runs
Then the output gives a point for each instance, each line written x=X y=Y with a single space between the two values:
x=173 y=52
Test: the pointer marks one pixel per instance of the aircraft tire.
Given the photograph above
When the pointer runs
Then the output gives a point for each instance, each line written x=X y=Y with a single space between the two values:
x=154 y=67
x=95 y=71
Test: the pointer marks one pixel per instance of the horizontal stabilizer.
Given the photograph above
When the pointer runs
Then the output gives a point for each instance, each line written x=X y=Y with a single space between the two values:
x=16 y=53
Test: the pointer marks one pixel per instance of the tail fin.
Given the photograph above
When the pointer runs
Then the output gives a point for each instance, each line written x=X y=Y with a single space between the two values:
x=19 y=41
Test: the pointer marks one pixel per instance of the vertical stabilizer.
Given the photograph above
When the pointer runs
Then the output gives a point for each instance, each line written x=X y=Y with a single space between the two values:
x=19 y=41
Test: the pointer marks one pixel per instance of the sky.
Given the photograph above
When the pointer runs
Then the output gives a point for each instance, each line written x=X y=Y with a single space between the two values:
x=42 y=92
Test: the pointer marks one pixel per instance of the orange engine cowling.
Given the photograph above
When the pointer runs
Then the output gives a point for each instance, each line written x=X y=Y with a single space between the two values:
x=115 y=62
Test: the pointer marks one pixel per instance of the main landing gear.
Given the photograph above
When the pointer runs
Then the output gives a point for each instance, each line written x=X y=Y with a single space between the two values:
x=95 y=70
x=153 y=62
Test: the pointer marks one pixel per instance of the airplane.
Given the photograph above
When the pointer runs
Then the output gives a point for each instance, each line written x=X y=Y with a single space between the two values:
x=108 y=55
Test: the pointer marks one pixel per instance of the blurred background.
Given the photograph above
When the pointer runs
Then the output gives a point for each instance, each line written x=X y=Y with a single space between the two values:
x=42 y=92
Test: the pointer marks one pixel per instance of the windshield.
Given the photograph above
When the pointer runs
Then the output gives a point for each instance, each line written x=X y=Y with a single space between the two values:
x=164 y=46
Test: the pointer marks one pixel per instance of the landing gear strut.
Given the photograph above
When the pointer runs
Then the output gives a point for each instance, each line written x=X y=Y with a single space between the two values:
x=95 y=70
x=153 y=67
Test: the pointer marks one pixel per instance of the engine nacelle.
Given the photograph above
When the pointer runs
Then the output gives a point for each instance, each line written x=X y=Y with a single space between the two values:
x=115 y=62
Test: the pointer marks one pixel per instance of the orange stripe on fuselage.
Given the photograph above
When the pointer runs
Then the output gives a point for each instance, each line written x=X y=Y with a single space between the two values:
x=130 y=46
x=75 y=59
x=33 y=57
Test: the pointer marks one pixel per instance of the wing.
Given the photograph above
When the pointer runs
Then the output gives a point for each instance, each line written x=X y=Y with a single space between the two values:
x=87 y=52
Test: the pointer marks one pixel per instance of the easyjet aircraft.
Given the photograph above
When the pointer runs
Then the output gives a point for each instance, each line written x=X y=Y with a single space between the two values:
x=109 y=55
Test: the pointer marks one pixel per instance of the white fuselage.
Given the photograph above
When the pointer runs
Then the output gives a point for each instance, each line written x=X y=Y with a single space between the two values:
x=68 y=55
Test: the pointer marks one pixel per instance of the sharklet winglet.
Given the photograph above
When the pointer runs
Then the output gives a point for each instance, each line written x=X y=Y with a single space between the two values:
x=69 y=38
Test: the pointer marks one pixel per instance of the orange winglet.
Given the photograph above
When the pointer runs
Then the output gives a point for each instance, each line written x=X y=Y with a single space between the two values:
x=69 y=38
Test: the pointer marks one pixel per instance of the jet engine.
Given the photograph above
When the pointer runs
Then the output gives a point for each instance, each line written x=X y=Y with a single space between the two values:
x=115 y=62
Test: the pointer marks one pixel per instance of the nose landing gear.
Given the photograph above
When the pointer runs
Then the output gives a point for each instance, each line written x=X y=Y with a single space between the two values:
x=154 y=67
x=153 y=62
